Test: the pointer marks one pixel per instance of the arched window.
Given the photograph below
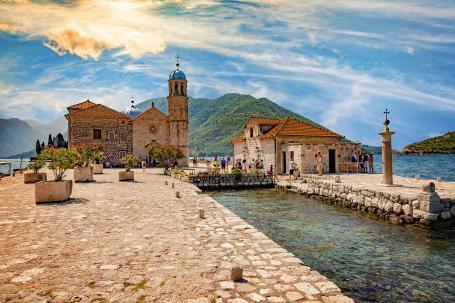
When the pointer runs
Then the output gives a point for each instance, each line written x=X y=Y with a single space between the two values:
x=251 y=132
x=176 y=88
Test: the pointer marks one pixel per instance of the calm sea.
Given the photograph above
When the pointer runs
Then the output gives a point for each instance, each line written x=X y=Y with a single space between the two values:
x=370 y=260
x=427 y=166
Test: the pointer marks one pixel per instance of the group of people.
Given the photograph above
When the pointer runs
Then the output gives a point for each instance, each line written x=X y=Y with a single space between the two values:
x=244 y=166
x=365 y=161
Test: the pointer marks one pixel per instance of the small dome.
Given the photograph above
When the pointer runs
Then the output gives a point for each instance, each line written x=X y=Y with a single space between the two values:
x=177 y=74
x=132 y=111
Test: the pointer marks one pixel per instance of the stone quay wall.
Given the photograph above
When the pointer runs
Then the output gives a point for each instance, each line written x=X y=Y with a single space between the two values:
x=227 y=181
x=427 y=208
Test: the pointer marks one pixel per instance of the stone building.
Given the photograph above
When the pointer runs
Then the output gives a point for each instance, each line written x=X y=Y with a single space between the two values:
x=130 y=131
x=277 y=141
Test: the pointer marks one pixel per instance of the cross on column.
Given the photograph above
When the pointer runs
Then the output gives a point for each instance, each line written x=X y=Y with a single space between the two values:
x=386 y=113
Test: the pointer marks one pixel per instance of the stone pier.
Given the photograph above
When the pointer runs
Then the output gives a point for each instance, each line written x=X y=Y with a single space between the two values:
x=410 y=201
x=138 y=242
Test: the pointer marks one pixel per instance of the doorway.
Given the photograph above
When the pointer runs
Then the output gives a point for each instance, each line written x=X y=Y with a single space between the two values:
x=332 y=161
x=284 y=163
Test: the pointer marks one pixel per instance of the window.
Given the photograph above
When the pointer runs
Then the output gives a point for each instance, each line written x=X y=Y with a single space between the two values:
x=96 y=133
x=111 y=136
x=292 y=155
x=251 y=132
x=122 y=154
x=122 y=136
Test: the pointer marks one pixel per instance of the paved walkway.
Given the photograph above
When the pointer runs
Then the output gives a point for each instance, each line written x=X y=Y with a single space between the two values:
x=137 y=242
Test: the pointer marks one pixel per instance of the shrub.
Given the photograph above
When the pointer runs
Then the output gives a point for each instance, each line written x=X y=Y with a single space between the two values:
x=236 y=171
x=165 y=154
x=36 y=165
x=98 y=156
x=60 y=160
x=129 y=161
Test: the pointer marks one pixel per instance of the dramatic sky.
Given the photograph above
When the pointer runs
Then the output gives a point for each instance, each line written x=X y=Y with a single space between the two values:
x=338 y=62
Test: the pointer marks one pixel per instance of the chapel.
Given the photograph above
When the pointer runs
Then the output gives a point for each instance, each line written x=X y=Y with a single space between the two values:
x=132 y=130
x=277 y=141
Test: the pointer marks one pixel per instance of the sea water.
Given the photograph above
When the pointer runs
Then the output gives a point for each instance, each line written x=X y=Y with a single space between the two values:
x=371 y=260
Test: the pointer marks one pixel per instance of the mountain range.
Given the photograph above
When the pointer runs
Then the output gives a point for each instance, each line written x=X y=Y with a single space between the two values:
x=18 y=137
x=213 y=123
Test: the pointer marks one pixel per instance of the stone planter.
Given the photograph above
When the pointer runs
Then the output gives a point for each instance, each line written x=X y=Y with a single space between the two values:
x=83 y=174
x=97 y=168
x=126 y=175
x=34 y=177
x=53 y=191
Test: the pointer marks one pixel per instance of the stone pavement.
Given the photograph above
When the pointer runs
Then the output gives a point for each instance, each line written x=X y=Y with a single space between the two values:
x=137 y=242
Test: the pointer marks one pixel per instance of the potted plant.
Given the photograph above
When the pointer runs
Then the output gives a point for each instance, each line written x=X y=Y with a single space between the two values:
x=35 y=176
x=60 y=160
x=129 y=161
x=216 y=167
x=83 y=172
x=98 y=158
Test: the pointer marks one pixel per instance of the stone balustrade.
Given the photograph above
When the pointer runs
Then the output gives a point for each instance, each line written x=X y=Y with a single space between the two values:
x=427 y=208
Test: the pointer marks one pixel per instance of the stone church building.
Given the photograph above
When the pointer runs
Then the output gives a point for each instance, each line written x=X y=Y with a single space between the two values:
x=130 y=131
x=278 y=141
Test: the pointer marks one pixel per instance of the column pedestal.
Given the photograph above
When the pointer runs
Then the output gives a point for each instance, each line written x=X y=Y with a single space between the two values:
x=387 y=173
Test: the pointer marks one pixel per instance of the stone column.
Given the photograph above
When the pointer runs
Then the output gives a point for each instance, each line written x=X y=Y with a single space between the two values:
x=387 y=173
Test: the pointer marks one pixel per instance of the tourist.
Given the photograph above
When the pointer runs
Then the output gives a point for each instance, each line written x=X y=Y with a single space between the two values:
x=195 y=161
x=360 y=163
x=370 y=163
x=223 y=165
x=270 y=170
x=261 y=164
x=239 y=164
x=365 y=163
x=292 y=167
x=354 y=156
x=319 y=163
x=143 y=165
x=209 y=166
x=252 y=164
x=244 y=166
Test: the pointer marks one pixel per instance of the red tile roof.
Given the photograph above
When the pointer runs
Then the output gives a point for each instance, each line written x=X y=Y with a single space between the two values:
x=83 y=105
x=98 y=111
x=290 y=127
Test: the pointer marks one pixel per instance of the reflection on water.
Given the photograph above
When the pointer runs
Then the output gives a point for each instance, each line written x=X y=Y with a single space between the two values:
x=371 y=260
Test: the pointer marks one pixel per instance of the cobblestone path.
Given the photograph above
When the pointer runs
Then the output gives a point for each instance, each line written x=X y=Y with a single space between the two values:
x=137 y=242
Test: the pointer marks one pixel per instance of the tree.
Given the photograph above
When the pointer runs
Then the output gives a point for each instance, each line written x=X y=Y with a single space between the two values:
x=50 y=142
x=60 y=140
x=165 y=154
x=38 y=147
x=42 y=146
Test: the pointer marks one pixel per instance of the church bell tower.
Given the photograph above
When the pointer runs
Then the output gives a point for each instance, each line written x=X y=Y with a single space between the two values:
x=177 y=104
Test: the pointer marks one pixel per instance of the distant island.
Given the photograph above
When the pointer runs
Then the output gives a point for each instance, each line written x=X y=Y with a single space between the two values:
x=444 y=144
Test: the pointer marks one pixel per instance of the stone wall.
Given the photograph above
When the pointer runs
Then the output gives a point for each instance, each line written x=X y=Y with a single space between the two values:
x=425 y=209
x=80 y=131
x=150 y=126
x=224 y=181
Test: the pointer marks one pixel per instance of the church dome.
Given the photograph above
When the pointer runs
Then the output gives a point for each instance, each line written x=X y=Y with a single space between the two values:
x=132 y=111
x=177 y=74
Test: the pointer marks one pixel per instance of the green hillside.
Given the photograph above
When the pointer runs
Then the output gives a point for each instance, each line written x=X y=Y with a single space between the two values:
x=444 y=144
x=213 y=122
